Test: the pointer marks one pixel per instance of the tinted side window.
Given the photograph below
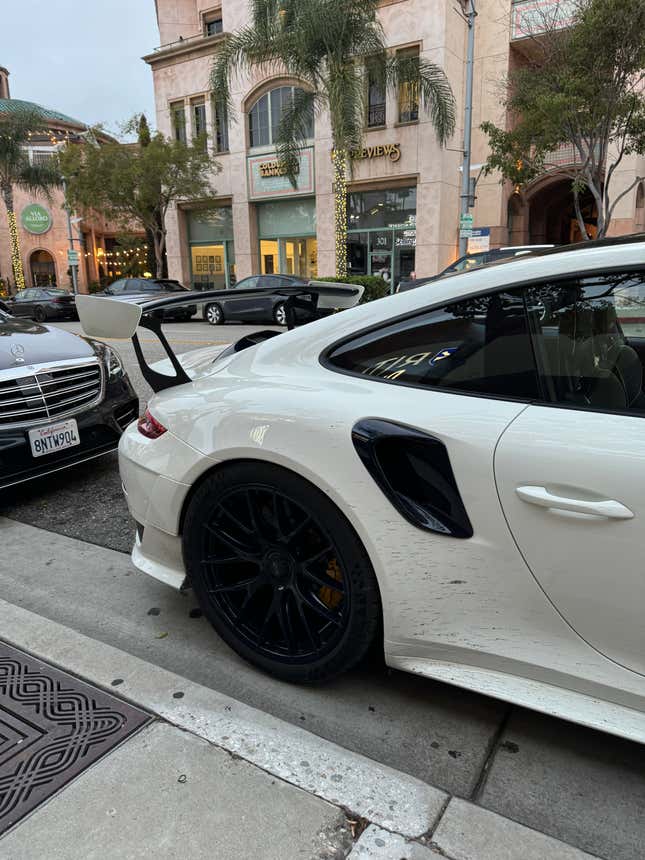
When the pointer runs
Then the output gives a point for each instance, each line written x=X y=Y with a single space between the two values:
x=118 y=287
x=480 y=345
x=589 y=338
x=247 y=284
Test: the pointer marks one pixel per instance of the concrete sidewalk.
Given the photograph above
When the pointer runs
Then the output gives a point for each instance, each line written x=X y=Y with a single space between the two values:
x=209 y=777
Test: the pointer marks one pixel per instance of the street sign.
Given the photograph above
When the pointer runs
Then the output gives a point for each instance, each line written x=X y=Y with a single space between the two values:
x=465 y=226
x=72 y=258
x=479 y=240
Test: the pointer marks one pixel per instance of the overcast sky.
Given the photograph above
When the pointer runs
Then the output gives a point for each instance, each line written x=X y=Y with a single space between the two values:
x=81 y=57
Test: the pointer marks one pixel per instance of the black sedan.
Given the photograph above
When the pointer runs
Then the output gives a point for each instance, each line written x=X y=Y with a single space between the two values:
x=145 y=289
x=42 y=303
x=474 y=261
x=64 y=399
x=257 y=309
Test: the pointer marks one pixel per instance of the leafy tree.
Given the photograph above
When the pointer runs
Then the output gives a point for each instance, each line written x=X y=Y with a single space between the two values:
x=16 y=171
x=136 y=183
x=329 y=45
x=584 y=88
x=144 y=137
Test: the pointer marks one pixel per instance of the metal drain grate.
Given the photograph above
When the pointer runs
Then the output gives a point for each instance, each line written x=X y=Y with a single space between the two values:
x=52 y=727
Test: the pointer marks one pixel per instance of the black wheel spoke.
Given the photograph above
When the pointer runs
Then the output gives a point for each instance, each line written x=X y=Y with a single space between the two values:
x=219 y=559
x=284 y=620
x=316 y=605
x=269 y=568
x=314 y=641
x=323 y=579
x=242 y=585
x=240 y=550
x=319 y=554
x=296 y=531
x=249 y=530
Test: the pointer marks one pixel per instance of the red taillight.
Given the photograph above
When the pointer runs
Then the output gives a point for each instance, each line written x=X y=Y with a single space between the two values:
x=149 y=426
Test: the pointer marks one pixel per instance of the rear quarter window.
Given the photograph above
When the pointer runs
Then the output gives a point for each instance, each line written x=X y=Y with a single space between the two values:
x=479 y=345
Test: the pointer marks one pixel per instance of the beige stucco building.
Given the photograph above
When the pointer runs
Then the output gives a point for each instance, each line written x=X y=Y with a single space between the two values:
x=403 y=206
x=43 y=229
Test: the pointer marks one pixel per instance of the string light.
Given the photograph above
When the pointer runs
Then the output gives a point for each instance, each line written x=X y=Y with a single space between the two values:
x=16 y=261
x=340 y=211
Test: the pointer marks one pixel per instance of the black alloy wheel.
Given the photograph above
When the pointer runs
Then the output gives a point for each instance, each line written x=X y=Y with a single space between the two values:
x=39 y=314
x=280 y=573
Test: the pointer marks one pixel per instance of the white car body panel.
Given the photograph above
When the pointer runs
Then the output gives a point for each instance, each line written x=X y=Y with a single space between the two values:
x=472 y=612
x=564 y=549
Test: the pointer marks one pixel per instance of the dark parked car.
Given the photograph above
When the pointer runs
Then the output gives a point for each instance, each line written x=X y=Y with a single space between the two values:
x=64 y=399
x=474 y=261
x=256 y=309
x=138 y=289
x=42 y=303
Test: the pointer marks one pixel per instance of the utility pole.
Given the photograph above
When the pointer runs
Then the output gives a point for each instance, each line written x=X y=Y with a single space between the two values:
x=70 y=236
x=469 y=14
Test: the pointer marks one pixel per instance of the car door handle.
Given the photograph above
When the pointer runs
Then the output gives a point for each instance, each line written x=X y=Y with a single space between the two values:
x=603 y=508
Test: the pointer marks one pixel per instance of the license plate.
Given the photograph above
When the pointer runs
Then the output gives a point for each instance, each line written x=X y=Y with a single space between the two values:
x=54 y=437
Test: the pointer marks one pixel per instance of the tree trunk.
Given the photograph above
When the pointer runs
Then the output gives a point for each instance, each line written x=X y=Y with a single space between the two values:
x=159 y=236
x=16 y=259
x=581 y=220
x=339 y=158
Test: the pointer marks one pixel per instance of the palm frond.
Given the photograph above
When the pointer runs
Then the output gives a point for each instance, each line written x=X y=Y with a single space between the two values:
x=347 y=102
x=433 y=87
x=38 y=178
x=292 y=131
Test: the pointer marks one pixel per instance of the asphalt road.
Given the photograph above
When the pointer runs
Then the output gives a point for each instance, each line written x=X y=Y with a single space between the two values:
x=584 y=787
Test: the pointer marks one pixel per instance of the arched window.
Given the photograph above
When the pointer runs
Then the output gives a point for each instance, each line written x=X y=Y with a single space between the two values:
x=640 y=196
x=264 y=116
x=43 y=269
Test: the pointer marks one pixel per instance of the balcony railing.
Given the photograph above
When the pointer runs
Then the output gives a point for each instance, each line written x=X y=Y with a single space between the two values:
x=375 y=115
x=532 y=17
x=187 y=41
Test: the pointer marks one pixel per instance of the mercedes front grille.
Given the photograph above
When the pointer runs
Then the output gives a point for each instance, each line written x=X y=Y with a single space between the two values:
x=46 y=392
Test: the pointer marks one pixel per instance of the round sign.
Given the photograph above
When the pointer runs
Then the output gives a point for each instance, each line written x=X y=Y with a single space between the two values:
x=36 y=219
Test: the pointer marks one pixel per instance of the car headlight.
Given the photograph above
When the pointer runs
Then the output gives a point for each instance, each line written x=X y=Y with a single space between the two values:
x=113 y=363
x=110 y=358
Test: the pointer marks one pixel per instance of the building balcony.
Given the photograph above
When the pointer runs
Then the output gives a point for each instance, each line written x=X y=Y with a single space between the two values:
x=200 y=43
x=533 y=17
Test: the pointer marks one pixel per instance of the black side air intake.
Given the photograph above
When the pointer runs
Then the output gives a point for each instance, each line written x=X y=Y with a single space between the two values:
x=413 y=470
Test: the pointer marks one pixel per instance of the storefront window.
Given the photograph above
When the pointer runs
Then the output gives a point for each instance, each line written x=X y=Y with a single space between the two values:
x=381 y=237
x=287 y=231
x=212 y=253
x=381 y=208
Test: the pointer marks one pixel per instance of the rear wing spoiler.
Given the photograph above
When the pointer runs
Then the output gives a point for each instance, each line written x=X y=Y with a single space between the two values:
x=111 y=318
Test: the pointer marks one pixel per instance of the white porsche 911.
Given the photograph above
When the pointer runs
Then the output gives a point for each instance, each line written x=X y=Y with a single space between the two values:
x=457 y=471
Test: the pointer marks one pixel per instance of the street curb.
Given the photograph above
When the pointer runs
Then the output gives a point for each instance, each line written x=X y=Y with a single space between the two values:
x=393 y=800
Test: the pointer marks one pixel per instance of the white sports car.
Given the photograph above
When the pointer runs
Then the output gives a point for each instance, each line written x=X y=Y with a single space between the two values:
x=456 y=472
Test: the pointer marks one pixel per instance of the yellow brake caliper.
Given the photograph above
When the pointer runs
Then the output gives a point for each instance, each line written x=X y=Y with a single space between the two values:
x=330 y=596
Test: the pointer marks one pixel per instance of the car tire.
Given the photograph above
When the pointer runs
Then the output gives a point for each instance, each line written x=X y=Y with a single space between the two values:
x=280 y=314
x=39 y=314
x=214 y=315
x=279 y=572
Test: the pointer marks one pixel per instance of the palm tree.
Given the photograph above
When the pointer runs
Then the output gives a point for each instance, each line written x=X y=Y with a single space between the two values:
x=331 y=46
x=16 y=129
